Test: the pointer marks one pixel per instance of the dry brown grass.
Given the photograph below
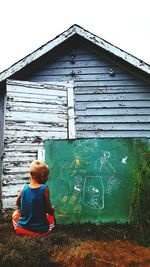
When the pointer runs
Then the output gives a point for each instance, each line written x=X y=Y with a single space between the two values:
x=72 y=246
x=103 y=253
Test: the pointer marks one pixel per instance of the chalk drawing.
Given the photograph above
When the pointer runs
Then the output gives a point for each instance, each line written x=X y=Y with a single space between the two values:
x=78 y=183
x=93 y=195
x=105 y=162
x=124 y=160
x=84 y=189
x=112 y=182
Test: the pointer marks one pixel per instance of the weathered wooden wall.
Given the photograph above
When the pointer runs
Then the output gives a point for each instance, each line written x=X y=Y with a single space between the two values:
x=33 y=113
x=109 y=100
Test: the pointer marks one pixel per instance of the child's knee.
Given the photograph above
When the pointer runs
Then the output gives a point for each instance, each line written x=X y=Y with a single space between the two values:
x=15 y=218
x=16 y=213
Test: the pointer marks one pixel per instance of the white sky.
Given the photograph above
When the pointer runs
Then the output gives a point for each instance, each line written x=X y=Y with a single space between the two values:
x=25 y=25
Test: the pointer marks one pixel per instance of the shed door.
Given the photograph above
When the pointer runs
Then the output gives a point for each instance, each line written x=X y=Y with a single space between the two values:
x=34 y=112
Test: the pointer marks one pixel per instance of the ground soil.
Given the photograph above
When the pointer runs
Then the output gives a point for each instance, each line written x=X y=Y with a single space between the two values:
x=75 y=246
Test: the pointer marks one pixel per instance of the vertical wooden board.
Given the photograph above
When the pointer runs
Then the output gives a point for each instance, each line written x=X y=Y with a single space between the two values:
x=71 y=117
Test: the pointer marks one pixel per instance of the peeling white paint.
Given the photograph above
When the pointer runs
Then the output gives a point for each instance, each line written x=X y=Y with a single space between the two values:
x=27 y=128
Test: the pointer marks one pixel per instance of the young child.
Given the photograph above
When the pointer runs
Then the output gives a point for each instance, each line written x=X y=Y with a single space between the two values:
x=36 y=214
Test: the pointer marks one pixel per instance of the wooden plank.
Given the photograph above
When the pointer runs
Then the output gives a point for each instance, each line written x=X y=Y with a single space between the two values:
x=71 y=118
x=17 y=170
x=112 y=104
x=77 y=54
x=90 y=83
x=27 y=84
x=12 y=180
x=26 y=95
x=31 y=134
x=38 y=100
x=85 y=82
x=115 y=96
x=28 y=124
x=20 y=163
x=41 y=154
x=36 y=139
x=16 y=158
x=26 y=114
x=20 y=153
x=61 y=70
x=13 y=104
x=85 y=78
x=23 y=147
x=18 y=116
x=35 y=128
x=78 y=75
x=37 y=110
x=112 y=134
x=23 y=162
x=21 y=90
x=21 y=108
x=9 y=202
x=113 y=111
x=113 y=119
x=82 y=63
x=46 y=128
x=111 y=90
x=113 y=126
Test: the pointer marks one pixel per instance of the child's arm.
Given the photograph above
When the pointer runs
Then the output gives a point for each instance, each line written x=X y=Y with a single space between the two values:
x=49 y=208
x=18 y=198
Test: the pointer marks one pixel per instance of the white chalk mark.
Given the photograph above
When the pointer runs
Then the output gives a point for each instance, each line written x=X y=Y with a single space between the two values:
x=105 y=163
x=77 y=188
x=124 y=160
x=95 y=197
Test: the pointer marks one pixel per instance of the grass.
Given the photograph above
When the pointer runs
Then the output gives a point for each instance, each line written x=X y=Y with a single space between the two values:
x=75 y=245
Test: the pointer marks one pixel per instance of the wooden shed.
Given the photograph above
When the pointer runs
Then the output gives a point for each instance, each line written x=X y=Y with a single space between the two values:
x=75 y=86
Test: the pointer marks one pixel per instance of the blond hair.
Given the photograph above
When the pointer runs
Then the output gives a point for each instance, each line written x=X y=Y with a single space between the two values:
x=39 y=171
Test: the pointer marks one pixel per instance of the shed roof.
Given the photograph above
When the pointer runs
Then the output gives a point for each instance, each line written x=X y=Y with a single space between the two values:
x=75 y=30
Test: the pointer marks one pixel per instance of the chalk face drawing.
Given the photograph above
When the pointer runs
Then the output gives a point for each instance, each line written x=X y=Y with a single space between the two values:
x=89 y=178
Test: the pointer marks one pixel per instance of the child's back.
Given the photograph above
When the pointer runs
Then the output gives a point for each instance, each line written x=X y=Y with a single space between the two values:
x=33 y=209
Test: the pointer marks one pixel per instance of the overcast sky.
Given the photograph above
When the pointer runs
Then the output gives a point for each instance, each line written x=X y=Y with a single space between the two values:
x=25 y=25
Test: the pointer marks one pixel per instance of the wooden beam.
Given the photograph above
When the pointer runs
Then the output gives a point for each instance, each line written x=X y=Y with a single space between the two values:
x=71 y=117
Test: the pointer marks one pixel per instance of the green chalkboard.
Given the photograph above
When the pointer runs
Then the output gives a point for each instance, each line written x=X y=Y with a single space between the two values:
x=92 y=180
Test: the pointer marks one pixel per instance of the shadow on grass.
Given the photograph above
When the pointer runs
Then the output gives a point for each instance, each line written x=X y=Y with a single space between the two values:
x=109 y=232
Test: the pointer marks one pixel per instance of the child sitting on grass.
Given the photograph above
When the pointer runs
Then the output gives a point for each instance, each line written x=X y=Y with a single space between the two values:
x=36 y=214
